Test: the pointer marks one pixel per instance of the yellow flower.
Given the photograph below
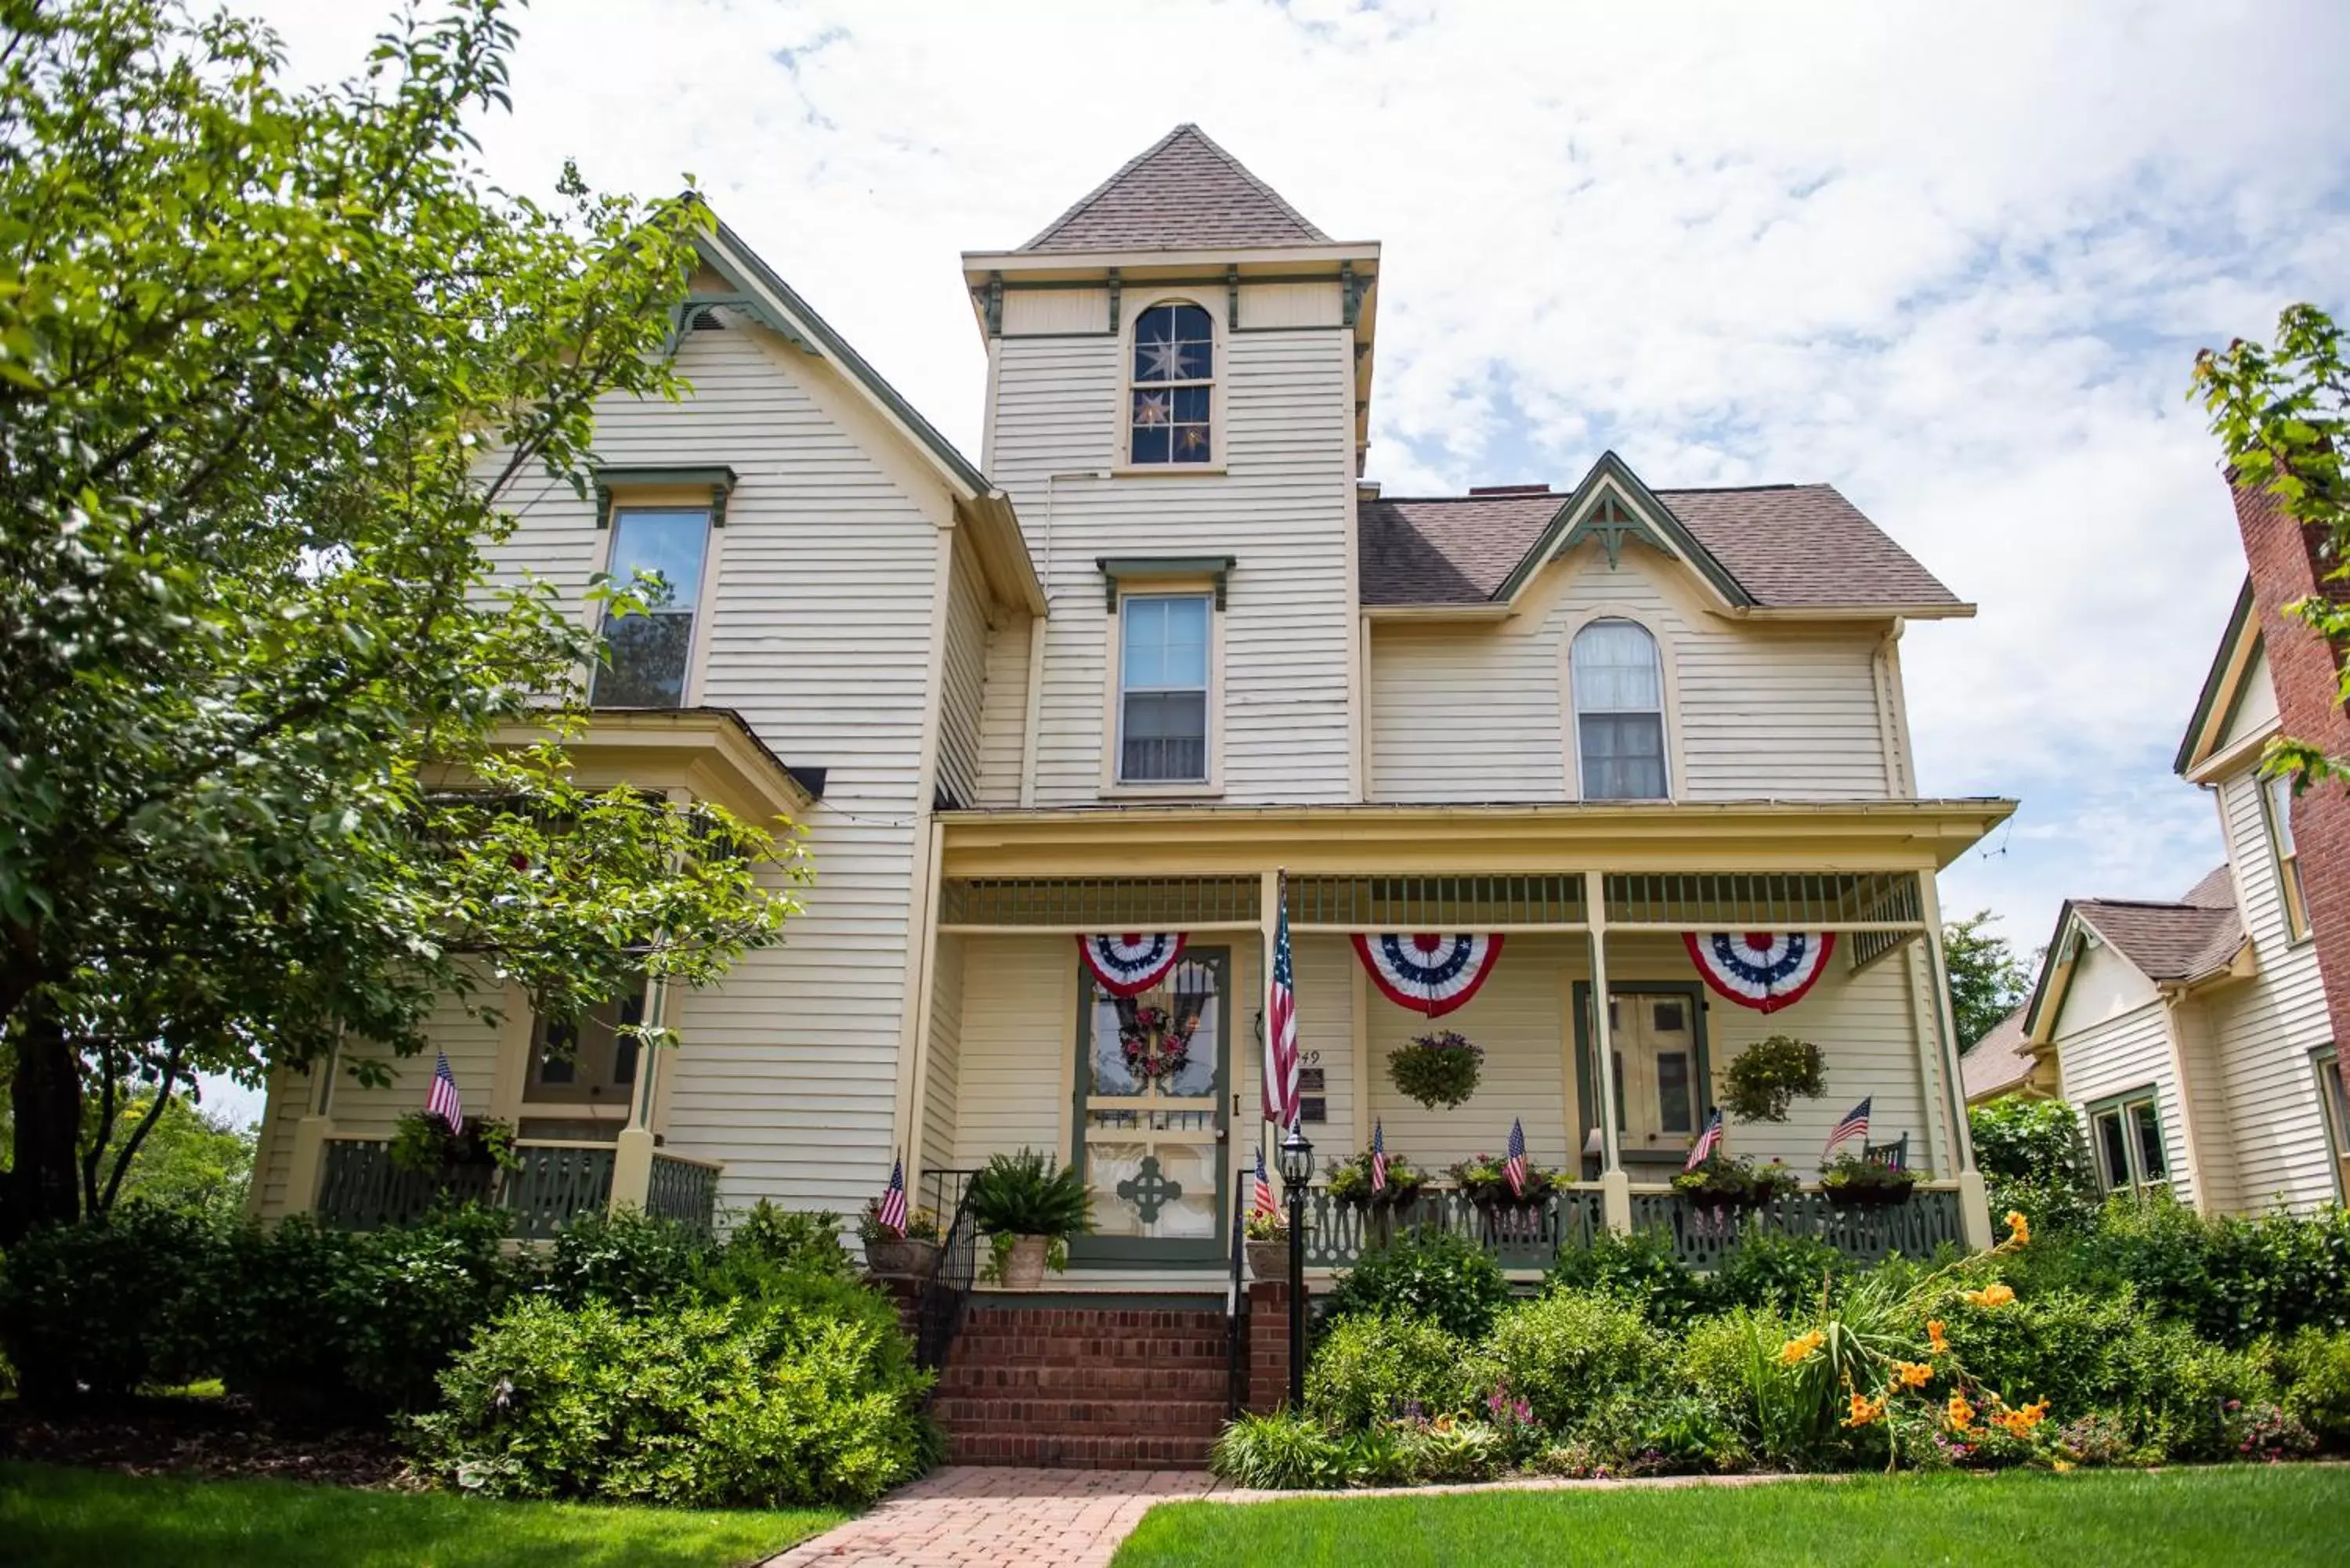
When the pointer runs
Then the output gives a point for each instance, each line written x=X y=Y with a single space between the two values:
x=1864 y=1410
x=2062 y=1465
x=1802 y=1348
x=1961 y=1414
x=2019 y=1228
x=1994 y=1295
x=1912 y=1374
x=1934 y=1337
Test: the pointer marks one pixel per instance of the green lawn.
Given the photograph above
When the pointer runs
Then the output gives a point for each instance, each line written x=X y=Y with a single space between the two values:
x=52 y=1518
x=2273 y=1515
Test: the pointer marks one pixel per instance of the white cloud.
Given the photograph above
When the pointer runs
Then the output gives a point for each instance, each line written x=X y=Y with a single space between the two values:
x=1954 y=259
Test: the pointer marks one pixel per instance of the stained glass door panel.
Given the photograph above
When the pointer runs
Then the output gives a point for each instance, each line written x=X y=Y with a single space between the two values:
x=1152 y=1113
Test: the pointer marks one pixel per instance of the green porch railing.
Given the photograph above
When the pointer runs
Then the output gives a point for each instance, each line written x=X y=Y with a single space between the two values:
x=682 y=1189
x=1520 y=1237
x=1864 y=1232
x=359 y=1188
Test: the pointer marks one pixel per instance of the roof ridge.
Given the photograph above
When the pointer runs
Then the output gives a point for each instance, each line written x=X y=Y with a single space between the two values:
x=1739 y=489
x=1090 y=197
x=1243 y=169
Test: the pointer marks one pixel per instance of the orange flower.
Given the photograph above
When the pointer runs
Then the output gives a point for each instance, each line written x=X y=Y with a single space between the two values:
x=1934 y=1337
x=2019 y=1423
x=1961 y=1414
x=2019 y=1230
x=1864 y=1410
x=1912 y=1374
x=1994 y=1295
x=1800 y=1348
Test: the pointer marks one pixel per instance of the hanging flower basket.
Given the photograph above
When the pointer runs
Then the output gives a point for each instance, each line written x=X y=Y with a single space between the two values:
x=1770 y=1074
x=1486 y=1181
x=1854 y=1182
x=1351 y=1183
x=1439 y=1069
x=1722 y=1182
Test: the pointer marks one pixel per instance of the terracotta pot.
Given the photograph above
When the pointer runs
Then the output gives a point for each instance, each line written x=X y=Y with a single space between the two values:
x=1024 y=1266
x=1269 y=1260
x=902 y=1260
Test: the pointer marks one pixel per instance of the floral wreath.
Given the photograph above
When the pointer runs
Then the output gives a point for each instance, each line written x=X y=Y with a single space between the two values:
x=1155 y=1045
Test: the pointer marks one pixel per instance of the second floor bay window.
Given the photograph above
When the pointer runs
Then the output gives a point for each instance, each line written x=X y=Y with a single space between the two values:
x=1619 y=712
x=650 y=652
x=1163 y=689
x=1171 y=413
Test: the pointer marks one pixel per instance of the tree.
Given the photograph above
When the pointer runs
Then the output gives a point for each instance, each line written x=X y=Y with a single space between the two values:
x=1988 y=982
x=272 y=362
x=192 y=1158
x=2031 y=1153
x=2282 y=413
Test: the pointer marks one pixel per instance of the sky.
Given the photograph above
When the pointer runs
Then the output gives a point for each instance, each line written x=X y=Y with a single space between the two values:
x=1955 y=260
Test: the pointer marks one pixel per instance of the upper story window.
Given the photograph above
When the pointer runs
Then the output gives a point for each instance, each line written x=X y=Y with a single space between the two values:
x=1619 y=712
x=2126 y=1133
x=1163 y=689
x=2277 y=803
x=649 y=653
x=1171 y=418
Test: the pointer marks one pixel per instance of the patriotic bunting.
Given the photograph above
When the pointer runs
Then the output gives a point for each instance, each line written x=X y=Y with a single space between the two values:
x=1765 y=970
x=1430 y=974
x=1130 y=965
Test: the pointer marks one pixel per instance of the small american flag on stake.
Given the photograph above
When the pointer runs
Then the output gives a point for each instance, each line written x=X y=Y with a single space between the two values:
x=892 y=1215
x=441 y=1100
x=1854 y=1124
x=1263 y=1202
x=1514 y=1168
x=1378 y=1156
x=1707 y=1143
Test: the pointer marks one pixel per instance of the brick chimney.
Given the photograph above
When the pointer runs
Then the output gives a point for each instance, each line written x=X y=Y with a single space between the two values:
x=2289 y=562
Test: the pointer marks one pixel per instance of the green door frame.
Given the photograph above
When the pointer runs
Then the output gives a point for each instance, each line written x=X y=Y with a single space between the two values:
x=1148 y=1252
x=1699 y=1006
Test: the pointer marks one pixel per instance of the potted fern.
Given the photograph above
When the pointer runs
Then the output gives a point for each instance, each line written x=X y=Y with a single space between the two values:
x=1029 y=1204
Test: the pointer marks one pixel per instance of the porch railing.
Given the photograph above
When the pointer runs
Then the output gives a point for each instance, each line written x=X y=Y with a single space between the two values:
x=683 y=1189
x=551 y=1184
x=946 y=1294
x=1867 y=1234
x=1337 y=1233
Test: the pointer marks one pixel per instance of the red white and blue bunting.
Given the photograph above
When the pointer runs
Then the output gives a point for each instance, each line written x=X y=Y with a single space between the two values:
x=1130 y=965
x=1430 y=974
x=1765 y=970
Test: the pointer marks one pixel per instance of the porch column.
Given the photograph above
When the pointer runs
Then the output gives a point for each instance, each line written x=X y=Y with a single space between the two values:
x=1615 y=1187
x=310 y=1135
x=914 y=1123
x=632 y=1150
x=1974 y=1198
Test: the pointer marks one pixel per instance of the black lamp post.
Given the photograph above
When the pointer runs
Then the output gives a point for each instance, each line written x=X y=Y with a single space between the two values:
x=1296 y=1170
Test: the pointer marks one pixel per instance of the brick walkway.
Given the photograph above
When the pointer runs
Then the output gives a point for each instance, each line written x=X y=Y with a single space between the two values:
x=984 y=1516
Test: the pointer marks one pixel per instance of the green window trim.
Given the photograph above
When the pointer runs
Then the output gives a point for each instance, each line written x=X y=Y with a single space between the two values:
x=2127 y=1142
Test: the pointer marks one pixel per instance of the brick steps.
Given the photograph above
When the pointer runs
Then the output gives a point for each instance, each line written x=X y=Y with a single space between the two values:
x=1085 y=1387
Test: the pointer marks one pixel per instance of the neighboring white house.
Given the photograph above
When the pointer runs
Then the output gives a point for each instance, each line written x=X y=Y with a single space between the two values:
x=2192 y=1032
x=1162 y=646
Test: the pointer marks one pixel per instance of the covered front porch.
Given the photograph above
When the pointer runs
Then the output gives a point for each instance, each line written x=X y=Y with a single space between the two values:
x=1024 y=1045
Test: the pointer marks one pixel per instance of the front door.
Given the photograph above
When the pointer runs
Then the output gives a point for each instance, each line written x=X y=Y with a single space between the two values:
x=1657 y=1086
x=1151 y=1071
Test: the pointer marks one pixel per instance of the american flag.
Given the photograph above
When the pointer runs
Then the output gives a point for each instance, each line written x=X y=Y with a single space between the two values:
x=1378 y=1156
x=1514 y=1168
x=1263 y=1202
x=441 y=1100
x=1281 y=1103
x=893 y=1203
x=1706 y=1142
x=1854 y=1124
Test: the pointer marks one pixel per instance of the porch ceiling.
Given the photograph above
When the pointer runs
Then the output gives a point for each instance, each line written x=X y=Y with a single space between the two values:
x=1675 y=836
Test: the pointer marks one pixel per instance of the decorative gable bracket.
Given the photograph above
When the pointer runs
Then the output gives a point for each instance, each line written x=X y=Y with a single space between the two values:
x=697 y=309
x=1611 y=523
x=719 y=479
x=1113 y=567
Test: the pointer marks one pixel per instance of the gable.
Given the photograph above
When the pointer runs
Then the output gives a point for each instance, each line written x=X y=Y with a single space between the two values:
x=2230 y=691
x=2253 y=713
x=2102 y=985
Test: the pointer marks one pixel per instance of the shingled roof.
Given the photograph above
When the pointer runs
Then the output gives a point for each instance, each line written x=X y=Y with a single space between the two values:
x=2178 y=939
x=1184 y=192
x=1788 y=545
x=2000 y=1060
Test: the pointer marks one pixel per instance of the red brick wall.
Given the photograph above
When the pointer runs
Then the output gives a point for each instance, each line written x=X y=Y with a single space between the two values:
x=1268 y=1347
x=2289 y=562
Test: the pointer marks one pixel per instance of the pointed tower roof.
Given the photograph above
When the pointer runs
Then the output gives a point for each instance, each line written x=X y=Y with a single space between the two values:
x=1184 y=192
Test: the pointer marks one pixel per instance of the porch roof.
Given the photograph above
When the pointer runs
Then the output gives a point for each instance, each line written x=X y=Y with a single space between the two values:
x=1570 y=836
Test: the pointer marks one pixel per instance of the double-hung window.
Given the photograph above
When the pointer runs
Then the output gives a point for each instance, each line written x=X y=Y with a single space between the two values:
x=1163 y=687
x=1172 y=408
x=2125 y=1134
x=2276 y=792
x=1619 y=712
x=648 y=651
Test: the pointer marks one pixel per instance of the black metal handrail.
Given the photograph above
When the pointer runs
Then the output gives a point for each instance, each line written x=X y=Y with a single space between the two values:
x=1236 y=1310
x=946 y=1291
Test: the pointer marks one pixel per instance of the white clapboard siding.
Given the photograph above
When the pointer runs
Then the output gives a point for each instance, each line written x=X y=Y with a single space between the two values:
x=1280 y=509
x=272 y=1153
x=1016 y=1046
x=2263 y=1030
x=1292 y=305
x=2256 y=709
x=938 y=1095
x=471 y=1043
x=2113 y=1036
x=963 y=696
x=1479 y=710
x=1003 y=718
x=1050 y=310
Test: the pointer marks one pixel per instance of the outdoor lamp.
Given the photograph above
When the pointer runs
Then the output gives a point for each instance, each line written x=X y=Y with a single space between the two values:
x=1296 y=1170
x=1297 y=1160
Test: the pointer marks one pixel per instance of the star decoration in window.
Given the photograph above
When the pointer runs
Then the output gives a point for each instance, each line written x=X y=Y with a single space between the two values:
x=1151 y=409
x=1193 y=439
x=1165 y=362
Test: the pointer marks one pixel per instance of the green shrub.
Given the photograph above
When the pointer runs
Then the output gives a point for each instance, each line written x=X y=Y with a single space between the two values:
x=109 y=1305
x=2314 y=1369
x=1441 y=1451
x=1426 y=1273
x=1283 y=1452
x=1638 y=1267
x=1652 y=1433
x=790 y=1238
x=1372 y=1369
x=1790 y=1273
x=739 y=1403
x=636 y=1262
x=2031 y=1153
x=1567 y=1351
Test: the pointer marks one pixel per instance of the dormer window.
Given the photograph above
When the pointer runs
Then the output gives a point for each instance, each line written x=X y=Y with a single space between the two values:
x=1619 y=712
x=1171 y=415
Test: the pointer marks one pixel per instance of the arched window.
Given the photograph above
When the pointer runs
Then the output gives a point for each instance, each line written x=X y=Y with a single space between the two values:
x=1170 y=418
x=1619 y=712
